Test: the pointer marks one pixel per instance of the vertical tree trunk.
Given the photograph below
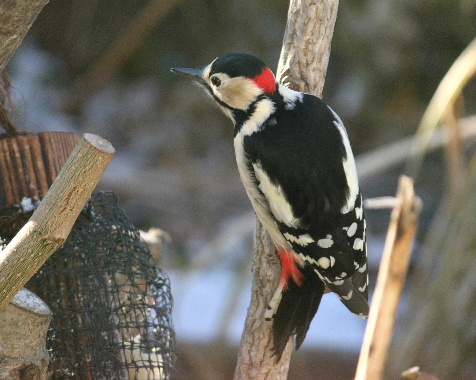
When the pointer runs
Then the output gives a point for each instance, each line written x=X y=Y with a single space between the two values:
x=16 y=18
x=302 y=66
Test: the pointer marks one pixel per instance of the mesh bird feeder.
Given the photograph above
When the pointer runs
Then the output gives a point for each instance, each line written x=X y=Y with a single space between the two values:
x=111 y=303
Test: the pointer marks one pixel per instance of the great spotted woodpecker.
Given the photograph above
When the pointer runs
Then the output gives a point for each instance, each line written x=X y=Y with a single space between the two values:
x=297 y=166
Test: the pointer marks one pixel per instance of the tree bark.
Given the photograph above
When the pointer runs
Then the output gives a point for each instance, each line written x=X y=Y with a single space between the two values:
x=16 y=18
x=302 y=66
x=51 y=223
x=23 y=326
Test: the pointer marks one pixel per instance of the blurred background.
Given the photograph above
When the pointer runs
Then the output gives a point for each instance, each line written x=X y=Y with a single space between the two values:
x=103 y=67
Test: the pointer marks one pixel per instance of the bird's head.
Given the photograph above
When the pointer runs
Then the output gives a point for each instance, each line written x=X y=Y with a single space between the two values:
x=234 y=80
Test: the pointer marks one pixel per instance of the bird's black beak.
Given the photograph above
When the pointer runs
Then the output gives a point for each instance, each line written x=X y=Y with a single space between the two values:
x=196 y=74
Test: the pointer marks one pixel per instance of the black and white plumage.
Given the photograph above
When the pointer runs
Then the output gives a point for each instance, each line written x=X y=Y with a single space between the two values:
x=297 y=166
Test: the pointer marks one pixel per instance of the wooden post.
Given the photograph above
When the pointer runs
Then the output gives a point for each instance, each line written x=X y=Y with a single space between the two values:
x=302 y=66
x=30 y=163
x=51 y=223
x=390 y=281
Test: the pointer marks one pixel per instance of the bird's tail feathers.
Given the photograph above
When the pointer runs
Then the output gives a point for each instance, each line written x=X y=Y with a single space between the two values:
x=351 y=297
x=293 y=310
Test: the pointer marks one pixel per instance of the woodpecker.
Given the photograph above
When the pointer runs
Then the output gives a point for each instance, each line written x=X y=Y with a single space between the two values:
x=296 y=164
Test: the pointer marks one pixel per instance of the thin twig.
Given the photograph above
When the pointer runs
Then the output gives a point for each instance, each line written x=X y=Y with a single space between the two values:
x=381 y=203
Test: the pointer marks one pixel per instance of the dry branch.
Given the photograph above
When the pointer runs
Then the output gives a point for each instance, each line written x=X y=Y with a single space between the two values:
x=302 y=66
x=51 y=223
x=390 y=281
x=16 y=18
x=437 y=332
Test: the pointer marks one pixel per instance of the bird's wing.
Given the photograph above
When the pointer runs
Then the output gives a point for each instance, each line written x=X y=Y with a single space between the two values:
x=306 y=173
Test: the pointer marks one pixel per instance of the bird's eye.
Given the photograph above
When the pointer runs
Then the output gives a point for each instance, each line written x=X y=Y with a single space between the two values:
x=216 y=81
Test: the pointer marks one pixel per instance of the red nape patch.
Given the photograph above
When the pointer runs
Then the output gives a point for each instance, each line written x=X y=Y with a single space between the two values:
x=266 y=81
x=289 y=269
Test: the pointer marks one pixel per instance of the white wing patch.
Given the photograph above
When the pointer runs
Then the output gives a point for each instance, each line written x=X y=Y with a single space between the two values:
x=257 y=200
x=349 y=166
x=277 y=201
x=302 y=240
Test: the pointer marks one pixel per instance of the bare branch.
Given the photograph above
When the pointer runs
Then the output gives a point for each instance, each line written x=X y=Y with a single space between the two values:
x=390 y=281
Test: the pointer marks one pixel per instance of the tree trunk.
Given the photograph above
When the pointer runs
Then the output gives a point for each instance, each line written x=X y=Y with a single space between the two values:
x=16 y=18
x=302 y=66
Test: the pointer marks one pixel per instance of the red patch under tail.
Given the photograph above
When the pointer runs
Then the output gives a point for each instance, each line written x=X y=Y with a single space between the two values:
x=289 y=269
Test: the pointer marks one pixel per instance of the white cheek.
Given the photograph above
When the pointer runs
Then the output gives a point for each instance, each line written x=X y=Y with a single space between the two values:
x=238 y=92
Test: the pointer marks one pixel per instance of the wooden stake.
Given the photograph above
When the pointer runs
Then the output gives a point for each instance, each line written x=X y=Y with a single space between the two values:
x=390 y=281
x=51 y=223
x=30 y=163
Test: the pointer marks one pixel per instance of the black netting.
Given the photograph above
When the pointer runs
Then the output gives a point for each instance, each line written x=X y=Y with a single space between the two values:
x=111 y=303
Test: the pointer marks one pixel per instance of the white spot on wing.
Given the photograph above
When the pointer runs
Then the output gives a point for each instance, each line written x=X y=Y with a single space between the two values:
x=325 y=243
x=302 y=240
x=333 y=260
x=348 y=296
x=358 y=244
x=359 y=213
x=362 y=289
x=363 y=268
x=338 y=282
x=323 y=262
x=352 y=229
